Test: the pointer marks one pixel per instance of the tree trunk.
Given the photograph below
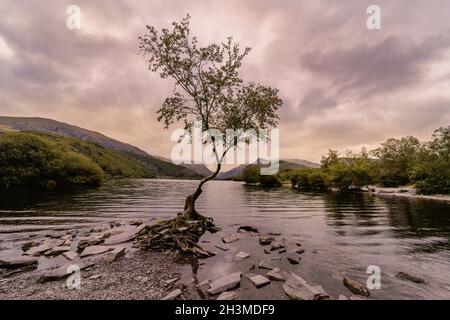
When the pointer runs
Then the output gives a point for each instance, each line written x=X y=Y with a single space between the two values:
x=189 y=206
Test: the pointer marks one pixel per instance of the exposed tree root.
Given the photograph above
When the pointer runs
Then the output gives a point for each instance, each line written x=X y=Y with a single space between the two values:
x=180 y=234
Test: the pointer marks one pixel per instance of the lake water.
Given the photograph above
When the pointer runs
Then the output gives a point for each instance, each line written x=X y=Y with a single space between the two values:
x=342 y=233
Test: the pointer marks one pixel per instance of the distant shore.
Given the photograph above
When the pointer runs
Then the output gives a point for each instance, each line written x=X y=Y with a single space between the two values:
x=407 y=192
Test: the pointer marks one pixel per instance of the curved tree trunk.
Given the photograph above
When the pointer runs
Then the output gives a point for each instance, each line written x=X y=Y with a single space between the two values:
x=189 y=206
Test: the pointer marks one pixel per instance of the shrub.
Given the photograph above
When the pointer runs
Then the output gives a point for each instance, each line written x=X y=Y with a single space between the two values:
x=270 y=181
x=29 y=160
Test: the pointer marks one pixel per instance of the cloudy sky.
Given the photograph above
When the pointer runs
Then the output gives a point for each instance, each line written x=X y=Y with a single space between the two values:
x=343 y=86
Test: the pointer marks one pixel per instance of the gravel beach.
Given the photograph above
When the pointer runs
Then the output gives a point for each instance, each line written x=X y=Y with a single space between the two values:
x=141 y=276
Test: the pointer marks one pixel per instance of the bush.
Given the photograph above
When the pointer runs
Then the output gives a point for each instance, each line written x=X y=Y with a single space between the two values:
x=251 y=174
x=270 y=181
x=28 y=160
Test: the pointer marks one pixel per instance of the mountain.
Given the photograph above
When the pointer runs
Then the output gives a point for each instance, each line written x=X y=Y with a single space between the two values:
x=305 y=163
x=67 y=130
x=284 y=164
x=151 y=165
x=231 y=173
x=199 y=169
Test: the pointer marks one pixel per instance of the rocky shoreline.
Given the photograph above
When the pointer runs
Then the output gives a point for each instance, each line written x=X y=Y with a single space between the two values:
x=245 y=264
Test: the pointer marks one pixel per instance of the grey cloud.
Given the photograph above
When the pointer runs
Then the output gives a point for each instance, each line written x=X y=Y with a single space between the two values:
x=384 y=67
x=339 y=82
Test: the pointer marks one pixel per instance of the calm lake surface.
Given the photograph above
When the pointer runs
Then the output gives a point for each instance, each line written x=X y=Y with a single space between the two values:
x=347 y=233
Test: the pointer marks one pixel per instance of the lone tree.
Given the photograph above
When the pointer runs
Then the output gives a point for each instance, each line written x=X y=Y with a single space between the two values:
x=207 y=90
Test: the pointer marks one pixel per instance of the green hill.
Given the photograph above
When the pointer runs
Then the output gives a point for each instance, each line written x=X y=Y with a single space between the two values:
x=116 y=158
x=33 y=159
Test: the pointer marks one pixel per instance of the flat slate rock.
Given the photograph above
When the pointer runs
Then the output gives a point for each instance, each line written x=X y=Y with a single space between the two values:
x=43 y=247
x=408 y=277
x=56 y=251
x=228 y=295
x=173 y=295
x=70 y=255
x=62 y=272
x=248 y=228
x=223 y=247
x=128 y=234
x=263 y=264
x=297 y=288
x=259 y=280
x=356 y=287
x=113 y=255
x=241 y=255
x=93 y=250
x=293 y=258
x=230 y=238
x=225 y=283
x=17 y=262
x=275 y=275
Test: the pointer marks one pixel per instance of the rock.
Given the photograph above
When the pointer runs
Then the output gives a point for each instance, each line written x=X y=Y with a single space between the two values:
x=145 y=279
x=241 y=255
x=213 y=229
x=17 y=262
x=230 y=238
x=223 y=247
x=228 y=295
x=322 y=294
x=267 y=251
x=265 y=265
x=170 y=281
x=67 y=237
x=293 y=258
x=114 y=255
x=95 y=277
x=89 y=251
x=297 y=288
x=275 y=258
x=408 y=277
x=28 y=245
x=225 y=283
x=45 y=246
x=275 y=275
x=259 y=280
x=356 y=287
x=84 y=243
x=56 y=251
x=274 y=234
x=61 y=272
x=202 y=253
x=128 y=234
x=173 y=295
x=275 y=245
x=355 y=297
x=299 y=250
x=136 y=222
x=266 y=240
x=248 y=228
x=70 y=255
x=282 y=250
x=204 y=283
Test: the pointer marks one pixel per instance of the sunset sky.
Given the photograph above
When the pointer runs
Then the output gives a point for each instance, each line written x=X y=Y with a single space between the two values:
x=343 y=86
